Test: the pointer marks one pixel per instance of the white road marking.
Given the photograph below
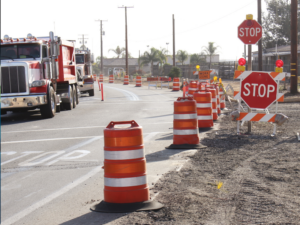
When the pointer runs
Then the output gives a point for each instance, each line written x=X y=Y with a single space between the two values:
x=51 y=197
x=8 y=153
x=52 y=139
x=21 y=156
x=68 y=156
x=130 y=95
x=41 y=159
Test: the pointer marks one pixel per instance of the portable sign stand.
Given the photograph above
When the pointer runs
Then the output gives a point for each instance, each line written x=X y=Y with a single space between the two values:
x=261 y=95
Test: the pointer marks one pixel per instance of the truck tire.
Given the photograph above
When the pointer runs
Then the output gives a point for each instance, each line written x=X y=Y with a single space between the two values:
x=69 y=105
x=91 y=93
x=49 y=110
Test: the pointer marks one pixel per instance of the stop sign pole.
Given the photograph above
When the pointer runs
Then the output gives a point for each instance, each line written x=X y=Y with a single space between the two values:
x=249 y=32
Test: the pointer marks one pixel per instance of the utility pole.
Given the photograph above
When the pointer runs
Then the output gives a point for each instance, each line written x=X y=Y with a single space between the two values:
x=101 y=45
x=173 y=41
x=126 y=40
x=260 y=41
x=83 y=38
x=249 y=69
x=294 y=37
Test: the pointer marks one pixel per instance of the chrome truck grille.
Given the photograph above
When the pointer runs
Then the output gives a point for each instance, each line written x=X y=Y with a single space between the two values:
x=13 y=79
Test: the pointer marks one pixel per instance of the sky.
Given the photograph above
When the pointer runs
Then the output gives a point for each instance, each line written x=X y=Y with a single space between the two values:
x=149 y=23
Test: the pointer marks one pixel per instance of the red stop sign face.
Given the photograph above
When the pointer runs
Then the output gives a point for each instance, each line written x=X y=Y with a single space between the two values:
x=249 y=32
x=258 y=90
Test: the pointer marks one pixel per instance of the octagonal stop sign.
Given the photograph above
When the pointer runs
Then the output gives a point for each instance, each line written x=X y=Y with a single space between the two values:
x=249 y=32
x=258 y=90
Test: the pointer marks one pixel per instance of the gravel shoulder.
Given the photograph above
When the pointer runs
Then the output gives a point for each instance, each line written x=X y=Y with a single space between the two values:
x=250 y=179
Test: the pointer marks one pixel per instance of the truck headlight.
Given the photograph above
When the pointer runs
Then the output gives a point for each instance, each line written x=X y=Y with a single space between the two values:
x=38 y=83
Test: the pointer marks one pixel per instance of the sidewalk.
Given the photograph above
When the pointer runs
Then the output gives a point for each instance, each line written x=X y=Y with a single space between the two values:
x=246 y=180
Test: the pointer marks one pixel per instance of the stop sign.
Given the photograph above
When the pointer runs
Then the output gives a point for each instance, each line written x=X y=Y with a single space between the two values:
x=258 y=90
x=249 y=32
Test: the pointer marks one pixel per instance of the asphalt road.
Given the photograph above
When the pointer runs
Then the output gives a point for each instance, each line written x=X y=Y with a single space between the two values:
x=51 y=168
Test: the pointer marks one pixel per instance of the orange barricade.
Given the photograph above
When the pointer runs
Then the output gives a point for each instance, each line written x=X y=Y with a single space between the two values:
x=204 y=109
x=214 y=102
x=101 y=78
x=216 y=86
x=222 y=98
x=185 y=126
x=126 y=79
x=138 y=81
x=192 y=88
x=95 y=77
x=176 y=84
x=125 y=179
x=111 y=79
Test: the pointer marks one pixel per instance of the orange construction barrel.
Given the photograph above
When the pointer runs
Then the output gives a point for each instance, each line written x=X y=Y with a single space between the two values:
x=176 y=84
x=101 y=78
x=111 y=79
x=192 y=88
x=204 y=109
x=214 y=102
x=126 y=79
x=138 y=81
x=222 y=98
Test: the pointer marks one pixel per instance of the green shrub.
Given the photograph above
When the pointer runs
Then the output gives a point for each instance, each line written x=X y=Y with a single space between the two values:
x=175 y=72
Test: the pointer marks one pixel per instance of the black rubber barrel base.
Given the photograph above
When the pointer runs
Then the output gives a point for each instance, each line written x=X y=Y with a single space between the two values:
x=186 y=146
x=126 y=207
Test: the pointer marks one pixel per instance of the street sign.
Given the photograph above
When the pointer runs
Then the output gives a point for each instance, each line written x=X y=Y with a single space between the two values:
x=249 y=32
x=259 y=90
x=204 y=75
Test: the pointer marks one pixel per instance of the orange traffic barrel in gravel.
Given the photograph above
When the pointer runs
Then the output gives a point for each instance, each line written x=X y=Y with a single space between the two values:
x=111 y=79
x=185 y=125
x=126 y=80
x=138 y=81
x=193 y=86
x=216 y=86
x=204 y=109
x=101 y=78
x=222 y=98
x=95 y=77
x=176 y=84
x=125 y=178
x=214 y=102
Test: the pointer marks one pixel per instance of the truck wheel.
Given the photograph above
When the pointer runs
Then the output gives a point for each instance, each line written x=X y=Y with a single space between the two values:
x=69 y=105
x=48 y=110
x=91 y=93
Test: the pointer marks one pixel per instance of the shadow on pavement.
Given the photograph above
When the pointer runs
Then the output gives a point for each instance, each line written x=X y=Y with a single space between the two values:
x=95 y=218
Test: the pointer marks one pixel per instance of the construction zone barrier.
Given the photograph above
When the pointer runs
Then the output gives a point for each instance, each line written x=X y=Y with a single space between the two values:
x=138 y=81
x=214 y=102
x=185 y=125
x=126 y=80
x=101 y=78
x=111 y=79
x=95 y=77
x=216 y=86
x=204 y=109
x=222 y=98
x=125 y=179
x=176 y=84
x=193 y=86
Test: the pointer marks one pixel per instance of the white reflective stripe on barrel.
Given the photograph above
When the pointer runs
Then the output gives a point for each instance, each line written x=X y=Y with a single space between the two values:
x=185 y=132
x=125 y=182
x=204 y=105
x=205 y=117
x=120 y=155
x=193 y=89
x=222 y=100
x=213 y=100
x=175 y=82
x=185 y=116
x=215 y=110
x=221 y=92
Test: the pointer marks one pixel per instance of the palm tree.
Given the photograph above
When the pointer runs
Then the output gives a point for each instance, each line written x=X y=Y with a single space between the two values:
x=150 y=57
x=197 y=59
x=118 y=51
x=182 y=56
x=210 y=50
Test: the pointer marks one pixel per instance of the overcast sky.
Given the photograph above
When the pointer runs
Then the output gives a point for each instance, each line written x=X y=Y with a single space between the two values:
x=149 y=23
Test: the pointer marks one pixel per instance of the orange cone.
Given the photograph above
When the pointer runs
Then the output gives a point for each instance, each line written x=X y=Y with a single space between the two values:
x=125 y=179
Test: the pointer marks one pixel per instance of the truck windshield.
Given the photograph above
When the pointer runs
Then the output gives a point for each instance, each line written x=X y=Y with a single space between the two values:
x=79 y=59
x=20 y=51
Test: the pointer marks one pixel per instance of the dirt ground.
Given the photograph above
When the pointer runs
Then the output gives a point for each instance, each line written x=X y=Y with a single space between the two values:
x=246 y=179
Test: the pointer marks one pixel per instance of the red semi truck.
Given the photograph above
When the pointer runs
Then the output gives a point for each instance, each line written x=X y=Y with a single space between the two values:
x=38 y=72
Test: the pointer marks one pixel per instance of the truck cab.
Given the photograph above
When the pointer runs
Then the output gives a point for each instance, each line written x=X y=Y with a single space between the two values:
x=84 y=72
